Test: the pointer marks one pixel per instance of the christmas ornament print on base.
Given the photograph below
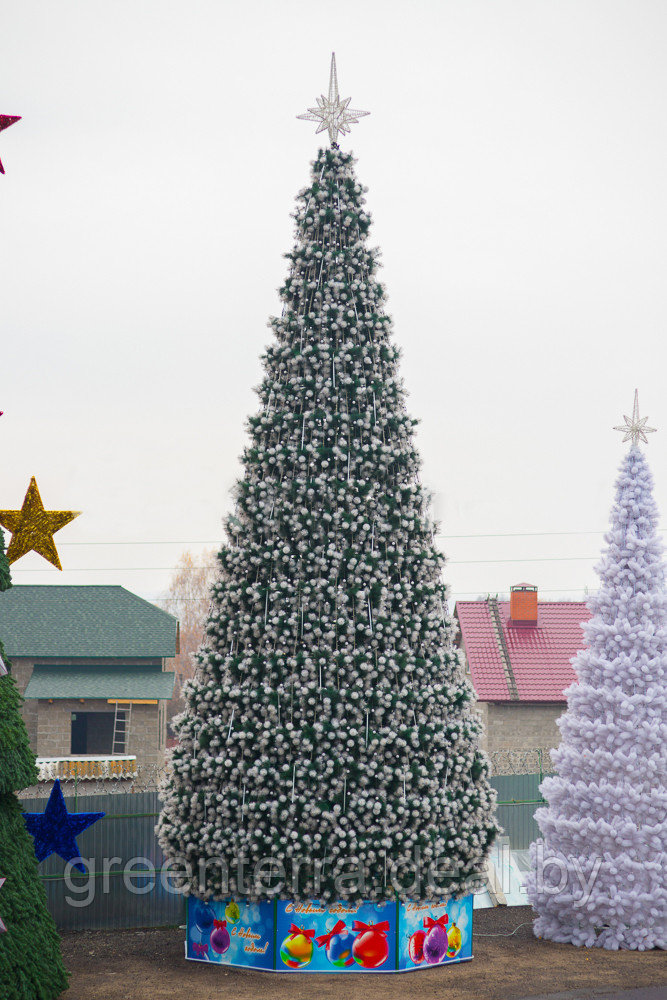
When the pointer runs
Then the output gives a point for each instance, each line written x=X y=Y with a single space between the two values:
x=284 y=936
x=437 y=935
x=416 y=947
x=370 y=949
x=296 y=951
x=436 y=940
x=231 y=932
x=338 y=943
x=220 y=940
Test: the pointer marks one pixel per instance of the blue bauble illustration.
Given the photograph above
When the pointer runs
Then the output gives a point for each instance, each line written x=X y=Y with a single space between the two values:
x=339 y=949
x=203 y=917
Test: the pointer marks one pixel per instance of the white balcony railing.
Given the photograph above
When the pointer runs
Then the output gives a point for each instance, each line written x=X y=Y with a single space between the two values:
x=87 y=767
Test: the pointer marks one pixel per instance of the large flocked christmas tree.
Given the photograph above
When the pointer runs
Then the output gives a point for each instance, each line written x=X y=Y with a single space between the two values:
x=30 y=964
x=599 y=872
x=330 y=719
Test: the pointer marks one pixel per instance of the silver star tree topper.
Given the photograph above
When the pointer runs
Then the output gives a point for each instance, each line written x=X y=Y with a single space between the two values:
x=635 y=428
x=332 y=113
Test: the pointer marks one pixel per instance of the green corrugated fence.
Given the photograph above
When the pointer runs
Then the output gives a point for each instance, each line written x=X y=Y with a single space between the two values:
x=104 y=900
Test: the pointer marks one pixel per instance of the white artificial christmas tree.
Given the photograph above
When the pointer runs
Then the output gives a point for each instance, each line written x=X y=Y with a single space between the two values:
x=330 y=719
x=598 y=875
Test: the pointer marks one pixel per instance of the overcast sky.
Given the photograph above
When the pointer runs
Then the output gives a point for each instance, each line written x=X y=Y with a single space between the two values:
x=516 y=156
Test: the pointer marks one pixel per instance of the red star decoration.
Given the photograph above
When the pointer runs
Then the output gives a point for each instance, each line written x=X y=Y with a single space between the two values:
x=5 y=122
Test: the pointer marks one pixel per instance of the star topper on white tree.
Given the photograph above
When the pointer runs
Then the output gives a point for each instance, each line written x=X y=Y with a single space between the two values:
x=635 y=429
x=333 y=114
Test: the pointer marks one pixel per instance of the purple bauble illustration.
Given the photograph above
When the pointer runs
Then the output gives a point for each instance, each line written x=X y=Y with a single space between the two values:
x=435 y=945
x=220 y=940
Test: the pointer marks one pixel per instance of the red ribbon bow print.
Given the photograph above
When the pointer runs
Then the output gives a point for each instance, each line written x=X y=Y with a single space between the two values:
x=429 y=922
x=200 y=949
x=293 y=929
x=219 y=924
x=358 y=925
x=324 y=940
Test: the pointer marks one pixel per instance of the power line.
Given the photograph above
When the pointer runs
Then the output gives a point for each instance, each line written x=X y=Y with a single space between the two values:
x=527 y=534
x=215 y=542
x=467 y=562
x=449 y=562
x=497 y=534
x=461 y=593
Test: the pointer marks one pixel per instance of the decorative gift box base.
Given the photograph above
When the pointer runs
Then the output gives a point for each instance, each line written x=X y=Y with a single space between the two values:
x=282 y=936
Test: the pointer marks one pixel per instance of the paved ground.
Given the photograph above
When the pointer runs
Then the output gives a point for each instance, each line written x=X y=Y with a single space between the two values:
x=149 y=965
x=647 y=993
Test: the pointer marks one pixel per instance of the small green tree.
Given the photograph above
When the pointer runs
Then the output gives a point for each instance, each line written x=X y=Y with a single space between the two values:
x=31 y=966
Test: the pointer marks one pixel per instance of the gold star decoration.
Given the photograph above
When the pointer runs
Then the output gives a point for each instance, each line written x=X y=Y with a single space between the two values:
x=635 y=429
x=32 y=528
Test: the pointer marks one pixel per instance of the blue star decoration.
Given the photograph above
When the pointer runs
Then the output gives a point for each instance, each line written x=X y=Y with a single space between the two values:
x=55 y=830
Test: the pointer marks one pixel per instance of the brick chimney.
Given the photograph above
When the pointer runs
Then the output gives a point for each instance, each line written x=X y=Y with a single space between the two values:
x=523 y=604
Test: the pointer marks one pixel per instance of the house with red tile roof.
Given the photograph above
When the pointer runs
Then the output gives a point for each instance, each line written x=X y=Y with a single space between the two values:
x=518 y=654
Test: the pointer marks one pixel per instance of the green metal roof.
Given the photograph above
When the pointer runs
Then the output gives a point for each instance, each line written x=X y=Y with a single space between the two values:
x=86 y=621
x=100 y=682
